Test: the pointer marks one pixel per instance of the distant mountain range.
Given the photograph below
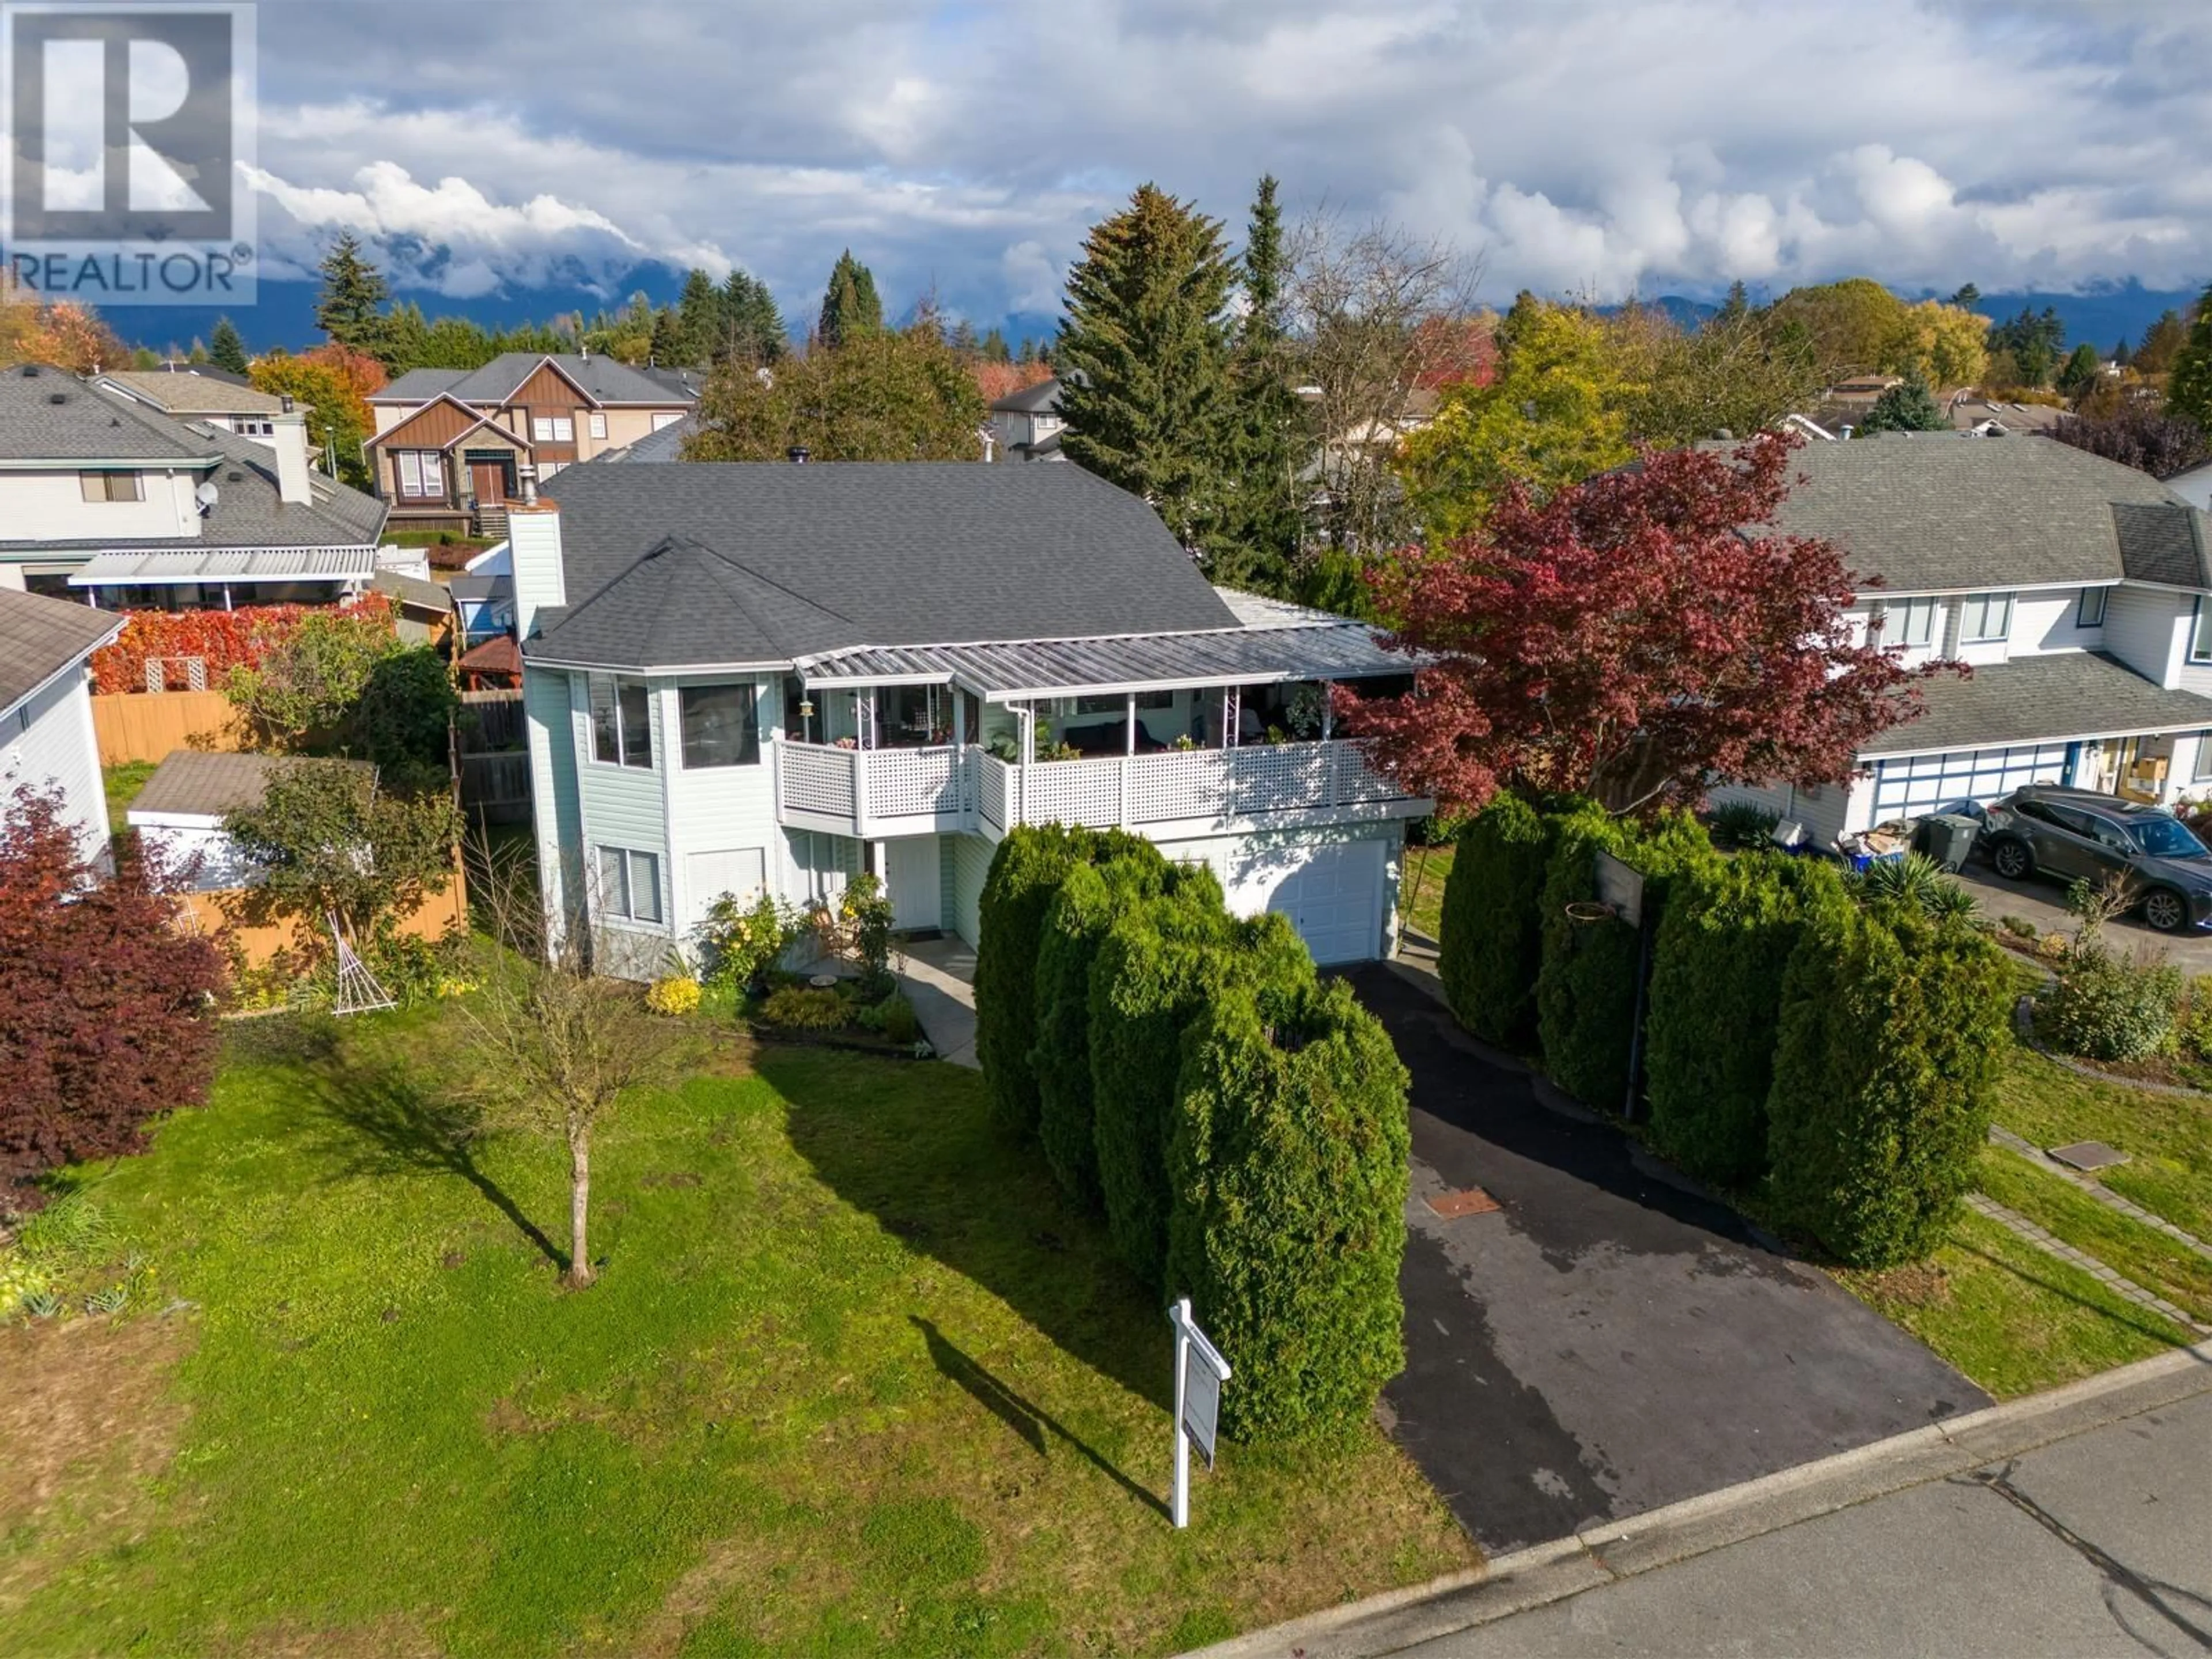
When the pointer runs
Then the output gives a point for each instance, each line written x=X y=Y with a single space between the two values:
x=285 y=313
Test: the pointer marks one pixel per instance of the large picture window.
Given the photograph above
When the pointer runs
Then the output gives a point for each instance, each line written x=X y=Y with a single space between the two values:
x=719 y=727
x=621 y=722
x=629 y=884
x=1985 y=618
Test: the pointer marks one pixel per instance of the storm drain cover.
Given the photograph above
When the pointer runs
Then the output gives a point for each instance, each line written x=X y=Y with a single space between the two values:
x=1472 y=1202
x=2088 y=1155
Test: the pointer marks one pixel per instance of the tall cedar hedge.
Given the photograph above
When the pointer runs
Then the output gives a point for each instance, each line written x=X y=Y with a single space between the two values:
x=1890 y=1030
x=1026 y=872
x=1493 y=939
x=1288 y=1169
x=1159 y=966
x=1586 y=988
x=1716 y=1004
x=1075 y=925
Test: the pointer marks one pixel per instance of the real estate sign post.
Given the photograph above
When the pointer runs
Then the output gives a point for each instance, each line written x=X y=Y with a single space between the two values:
x=1200 y=1371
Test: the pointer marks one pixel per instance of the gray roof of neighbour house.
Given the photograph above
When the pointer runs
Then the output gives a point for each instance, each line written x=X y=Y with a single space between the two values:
x=412 y=590
x=47 y=414
x=662 y=444
x=169 y=563
x=604 y=380
x=196 y=783
x=2043 y=699
x=725 y=563
x=187 y=391
x=1942 y=513
x=40 y=637
x=1043 y=397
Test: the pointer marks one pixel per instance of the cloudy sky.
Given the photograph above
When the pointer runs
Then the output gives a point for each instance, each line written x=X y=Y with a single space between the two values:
x=1600 y=147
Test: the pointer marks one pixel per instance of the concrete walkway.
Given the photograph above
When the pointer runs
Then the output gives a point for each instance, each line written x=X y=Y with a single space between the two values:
x=938 y=978
x=2072 y=1522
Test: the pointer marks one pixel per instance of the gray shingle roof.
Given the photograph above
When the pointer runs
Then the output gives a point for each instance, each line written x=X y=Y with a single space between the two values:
x=192 y=783
x=1940 y=513
x=41 y=636
x=604 y=379
x=914 y=553
x=2163 y=544
x=250 y=513
x=47 y=414
x=186 y=392
x=1041 y=398
x=665 y=444
x=2047 y=699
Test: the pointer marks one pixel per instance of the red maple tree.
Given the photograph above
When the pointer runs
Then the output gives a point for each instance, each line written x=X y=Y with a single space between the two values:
x=106 y=1010
x=1635 y=638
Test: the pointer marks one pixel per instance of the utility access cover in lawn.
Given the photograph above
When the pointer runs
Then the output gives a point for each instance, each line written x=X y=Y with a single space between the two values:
x=1610 y=1342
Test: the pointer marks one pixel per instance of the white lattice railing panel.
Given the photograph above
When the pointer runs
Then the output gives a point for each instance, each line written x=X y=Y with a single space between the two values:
x=1358 y=783
x=994 y=779
x=817 y=779
x=1289 y=777
x=1074 y=792
x=1183 y=784
x=913 y=783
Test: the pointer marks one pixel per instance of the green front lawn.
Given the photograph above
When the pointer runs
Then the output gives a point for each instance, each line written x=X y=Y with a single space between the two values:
x=123 y=784
x=2167 y=1138
x=1421 y=887
x=853 y=1381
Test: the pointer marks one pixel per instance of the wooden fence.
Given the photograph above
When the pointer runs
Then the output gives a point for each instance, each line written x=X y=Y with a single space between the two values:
x=491 y=719
x=147 y=725
x=495 y=787
x=224 y=908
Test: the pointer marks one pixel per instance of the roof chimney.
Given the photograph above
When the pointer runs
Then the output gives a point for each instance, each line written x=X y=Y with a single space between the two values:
x=288 y=438
x=797 y=454
x=527 y=476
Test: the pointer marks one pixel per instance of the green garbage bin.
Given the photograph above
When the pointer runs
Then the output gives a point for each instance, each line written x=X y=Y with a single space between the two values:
x=1948 y=837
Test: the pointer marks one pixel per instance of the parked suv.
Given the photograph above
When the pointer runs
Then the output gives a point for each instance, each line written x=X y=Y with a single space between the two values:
x=2072 y=834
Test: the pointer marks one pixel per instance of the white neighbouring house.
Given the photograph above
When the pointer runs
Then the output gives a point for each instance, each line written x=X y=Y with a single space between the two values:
x=750 y=676
x=2079 y=590
x=47 y=735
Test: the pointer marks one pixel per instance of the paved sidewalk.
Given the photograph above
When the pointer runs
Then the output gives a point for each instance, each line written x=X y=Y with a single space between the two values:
x=938 y=978
x=2073 y=1523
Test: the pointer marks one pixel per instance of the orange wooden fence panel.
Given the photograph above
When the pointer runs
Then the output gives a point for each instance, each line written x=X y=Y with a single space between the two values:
x=212 y=912
x=146 y=725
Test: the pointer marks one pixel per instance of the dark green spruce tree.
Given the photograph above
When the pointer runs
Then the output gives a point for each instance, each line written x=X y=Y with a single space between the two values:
x=753 y=328
x=1261 y=545
x=850 y=305
x=350 y=309
x=225 y=348
x=1144 y=359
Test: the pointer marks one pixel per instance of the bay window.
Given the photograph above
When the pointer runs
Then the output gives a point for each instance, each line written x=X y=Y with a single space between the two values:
x=621 y=722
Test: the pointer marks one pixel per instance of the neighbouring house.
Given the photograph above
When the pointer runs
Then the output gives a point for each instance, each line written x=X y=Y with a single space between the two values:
x=180 y=811
x=452 y=446
x=46 y=736
x=106 y=499
x=2078 y=590
x=2194 y=485
x=740 y=677
x=422 y=611
x=1026 y=425
x=663 y=443
x=229 y=402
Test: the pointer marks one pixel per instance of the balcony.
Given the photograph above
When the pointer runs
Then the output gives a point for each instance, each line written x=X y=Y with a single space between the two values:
x=874 y=793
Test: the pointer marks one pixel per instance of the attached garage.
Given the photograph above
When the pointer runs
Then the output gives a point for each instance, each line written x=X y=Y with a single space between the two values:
x=1918 y=784
x=1334 y=892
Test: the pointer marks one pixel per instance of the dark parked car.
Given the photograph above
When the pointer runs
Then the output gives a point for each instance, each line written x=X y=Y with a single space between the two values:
x=2076 y=834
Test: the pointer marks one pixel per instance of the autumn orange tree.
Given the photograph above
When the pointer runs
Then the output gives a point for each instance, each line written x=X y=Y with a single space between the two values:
x=332 y=383
x=1636 y=638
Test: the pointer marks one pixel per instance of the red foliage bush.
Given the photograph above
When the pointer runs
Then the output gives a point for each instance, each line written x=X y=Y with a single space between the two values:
x=106 y=1017
x=225 y=639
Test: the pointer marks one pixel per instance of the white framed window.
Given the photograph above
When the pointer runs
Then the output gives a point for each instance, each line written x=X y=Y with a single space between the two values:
x=621 y=722
x=2200 y=633
x=422 y=472
x=720 y=726
x=553 y=428
x=2090 y=612
x=111 y=486
x=1985 y=618
x=596 y=423
x=629 y=883
x=2202 y=771
x=1910 y=622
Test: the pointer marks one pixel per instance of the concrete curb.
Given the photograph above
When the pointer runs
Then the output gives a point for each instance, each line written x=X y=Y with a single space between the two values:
x=1398 y=1619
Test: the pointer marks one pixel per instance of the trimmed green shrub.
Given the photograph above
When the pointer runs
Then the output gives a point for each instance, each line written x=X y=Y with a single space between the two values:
x=1287 y=1164
x=2106 y=1007
x=1586 y=988
x=1715 y=1004
x=1159 y=964
x=2194 y=1024
x=1892 y=1026
x=796 y=1009
x=1743 y=825
x=1492 y=939
x=1075 y=925
x=1026 y=872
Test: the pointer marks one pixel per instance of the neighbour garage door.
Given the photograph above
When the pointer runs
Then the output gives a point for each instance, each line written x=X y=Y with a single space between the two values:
x=1332 y=893
x=1909 y=788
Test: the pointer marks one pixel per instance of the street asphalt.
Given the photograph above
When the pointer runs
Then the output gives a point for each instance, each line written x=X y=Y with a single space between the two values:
x=2097 y=1544
x=1610 y=1340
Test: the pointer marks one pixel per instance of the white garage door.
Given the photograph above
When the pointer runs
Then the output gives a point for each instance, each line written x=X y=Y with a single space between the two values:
x=1909 y=788
x=1332 y=893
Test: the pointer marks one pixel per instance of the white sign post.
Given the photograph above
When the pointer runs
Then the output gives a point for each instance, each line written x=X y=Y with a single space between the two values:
x=1200 y=1371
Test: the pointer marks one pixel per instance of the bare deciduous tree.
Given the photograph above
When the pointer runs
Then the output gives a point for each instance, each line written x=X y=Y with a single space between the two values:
x=560 y=1045
x=1375 y=314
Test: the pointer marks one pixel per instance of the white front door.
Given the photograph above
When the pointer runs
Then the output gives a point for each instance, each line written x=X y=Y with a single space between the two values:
x=912 y=872
x=1332 y=892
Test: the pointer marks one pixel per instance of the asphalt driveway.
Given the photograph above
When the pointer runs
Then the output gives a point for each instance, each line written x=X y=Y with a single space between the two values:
x=1608 y=1340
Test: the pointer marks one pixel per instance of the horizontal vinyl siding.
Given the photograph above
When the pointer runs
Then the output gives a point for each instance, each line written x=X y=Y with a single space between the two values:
x=969 y=859
x=57 y=748
x=548 y=712
x=2141 y=626
x=716 y=809
x=1824 y=812
x=625 y=806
